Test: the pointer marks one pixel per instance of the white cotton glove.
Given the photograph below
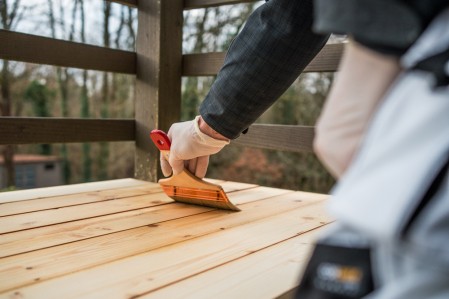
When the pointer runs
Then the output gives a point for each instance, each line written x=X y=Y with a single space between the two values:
x=190 y=148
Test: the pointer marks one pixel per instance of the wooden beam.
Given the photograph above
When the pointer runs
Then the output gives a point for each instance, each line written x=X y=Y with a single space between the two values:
x=132 y=3
x=42 y=50
x=158 y=82
x=278 y=137
x=208 y=64
x=327 y=60
x=18 y=130
x=203 y=64
x=192 y=4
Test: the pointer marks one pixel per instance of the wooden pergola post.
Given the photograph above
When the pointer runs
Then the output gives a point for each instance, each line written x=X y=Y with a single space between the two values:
x=158 y=81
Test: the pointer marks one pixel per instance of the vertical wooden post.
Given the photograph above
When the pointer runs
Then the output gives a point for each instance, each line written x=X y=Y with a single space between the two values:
x=158 y=83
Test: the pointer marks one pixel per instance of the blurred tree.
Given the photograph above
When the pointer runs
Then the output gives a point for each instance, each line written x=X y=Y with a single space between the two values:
x=84 y=97
x=62 y=73
x=208 y=32
x=103 y=158
x=190 y=95
x=10 y=17
x=39 y=96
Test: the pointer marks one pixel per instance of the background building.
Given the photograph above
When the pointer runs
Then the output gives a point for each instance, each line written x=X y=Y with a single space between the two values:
x=33 y=171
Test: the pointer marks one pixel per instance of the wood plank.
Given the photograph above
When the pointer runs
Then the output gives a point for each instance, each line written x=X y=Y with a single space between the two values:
x=208 y=64
x=128 y=278
x=202 y=64
x=48 y=192
x=278 y=137
x=43 y=50
x=327 y=60
x=27 y=130
x=257 y=193
x=140 y=188
x=158 y=81
x=42 y=237
x=132 y=3
x=26 y=269
x=65 y=214
x=229 y=186
x=47 y=203
x=267 y=273
x=45 y=237
x=193 y=4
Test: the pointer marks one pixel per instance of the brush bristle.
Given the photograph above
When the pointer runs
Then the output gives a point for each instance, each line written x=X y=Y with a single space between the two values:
x=208 y=198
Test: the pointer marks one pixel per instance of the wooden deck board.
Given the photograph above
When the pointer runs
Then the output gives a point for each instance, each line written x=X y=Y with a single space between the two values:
x=134 y=241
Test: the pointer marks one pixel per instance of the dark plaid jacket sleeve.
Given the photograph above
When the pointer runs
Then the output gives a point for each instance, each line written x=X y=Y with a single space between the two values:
x=270 y=52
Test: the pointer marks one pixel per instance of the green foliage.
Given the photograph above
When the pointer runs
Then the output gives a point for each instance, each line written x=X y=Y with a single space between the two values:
x=190 y=99
x=7 y=189
x=39 y=96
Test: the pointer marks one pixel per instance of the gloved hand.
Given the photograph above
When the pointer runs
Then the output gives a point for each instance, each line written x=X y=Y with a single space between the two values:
x=190 y=148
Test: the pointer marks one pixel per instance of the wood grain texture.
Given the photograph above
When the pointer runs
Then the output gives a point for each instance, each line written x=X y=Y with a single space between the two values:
x=170 y=261
x=28 y=268
x=278 y=137
x=50 y=192
x=266 y=273
x=71 y=213
x=42 y=50
x=62 y=233
x=24 y=130
x=192 y=4
x=208 y=64
x=47 y=203
x=158 y=82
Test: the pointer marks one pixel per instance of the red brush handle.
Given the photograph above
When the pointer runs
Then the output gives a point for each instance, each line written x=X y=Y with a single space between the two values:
x=160 y=139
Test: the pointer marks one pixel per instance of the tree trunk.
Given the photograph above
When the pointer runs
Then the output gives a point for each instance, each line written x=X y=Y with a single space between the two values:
x=8 y=150
x=85 y=111
x=104 y=147
x=8 y=16
x=63 y=79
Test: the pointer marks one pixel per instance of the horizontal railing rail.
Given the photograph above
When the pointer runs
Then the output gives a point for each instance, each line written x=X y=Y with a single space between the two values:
x=32 y=130
x=43 y=50
x=194 y=4
x=132 y=3
x=290 y=138
x=207 y=64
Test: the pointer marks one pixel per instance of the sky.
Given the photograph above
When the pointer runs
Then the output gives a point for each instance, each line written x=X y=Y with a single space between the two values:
x=35 y=19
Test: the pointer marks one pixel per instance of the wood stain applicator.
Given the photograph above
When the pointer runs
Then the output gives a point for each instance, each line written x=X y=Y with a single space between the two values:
x=186 y=187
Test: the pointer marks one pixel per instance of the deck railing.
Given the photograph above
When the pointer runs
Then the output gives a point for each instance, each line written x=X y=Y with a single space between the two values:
x=159 y=65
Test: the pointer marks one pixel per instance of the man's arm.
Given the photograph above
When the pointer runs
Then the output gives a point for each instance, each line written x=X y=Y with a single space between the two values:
x=272 y=50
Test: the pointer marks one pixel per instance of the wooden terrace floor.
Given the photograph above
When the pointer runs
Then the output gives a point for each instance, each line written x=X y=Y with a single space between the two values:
x=127 y=239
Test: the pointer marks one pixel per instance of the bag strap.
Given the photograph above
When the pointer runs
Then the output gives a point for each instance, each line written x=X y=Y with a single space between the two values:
x=430 y=193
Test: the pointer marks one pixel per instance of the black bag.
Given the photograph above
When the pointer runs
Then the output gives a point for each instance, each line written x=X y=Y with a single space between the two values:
x=337 y=272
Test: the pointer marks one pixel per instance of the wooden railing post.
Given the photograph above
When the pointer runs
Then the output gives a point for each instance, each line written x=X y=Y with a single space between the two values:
x=158 y=82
